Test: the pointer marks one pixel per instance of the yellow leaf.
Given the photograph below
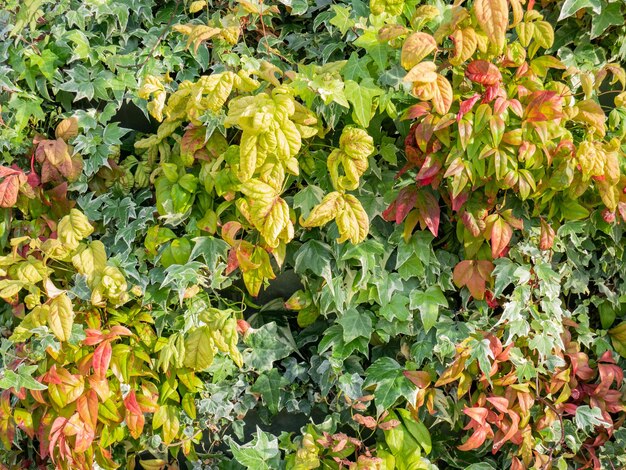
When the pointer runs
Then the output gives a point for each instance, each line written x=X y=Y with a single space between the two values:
x=325 y=211
x=201 y=33
x=91 y=259
x=199 y=349
x=73 y=228
x=591 y=113
x=256 y=277
x=355 y=142
x=465 y=44
x=424 y=72
x=443 y=95
x=196 y=6
x=525 y=32
x=415 y=48
x=67 y=129
x=61 y=317
x=352 y=221
x=493 y=18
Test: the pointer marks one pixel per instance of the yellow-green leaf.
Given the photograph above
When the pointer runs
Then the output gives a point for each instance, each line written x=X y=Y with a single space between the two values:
x=91 y=259
x=199 y=349
x=325 y=211
x=73 y=228
x=352 y=221
x=61 y=317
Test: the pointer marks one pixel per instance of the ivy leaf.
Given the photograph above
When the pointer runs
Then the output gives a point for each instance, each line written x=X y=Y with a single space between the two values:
x=267 y=345
x=342 y=19
x=355 y=324
x=587 y=418
x=356 y=67
x=387 y=376
x=262 y=453
x=611 y=16
x=570 y=7
x=428 y=303
x=268 y=385
x=361 y=96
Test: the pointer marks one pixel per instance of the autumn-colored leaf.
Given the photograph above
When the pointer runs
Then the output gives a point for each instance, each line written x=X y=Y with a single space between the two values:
x=544 y=105
x=415 y=48
x=493 y=18
x=501 y=233
x=474 y=275
x=483 y=72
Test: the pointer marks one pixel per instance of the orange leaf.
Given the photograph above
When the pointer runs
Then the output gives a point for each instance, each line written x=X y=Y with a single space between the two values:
x=501 y=233
x=483 y=72
x=415 y=48
x=87 y=406
x=544 y=105
x=476 y=439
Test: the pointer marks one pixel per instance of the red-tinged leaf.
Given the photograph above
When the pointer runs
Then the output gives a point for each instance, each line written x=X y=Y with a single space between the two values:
x=423 y=133
x=516 y=107
x=387 y=425
x=93 y=337
x=101 y=387
x=366 y=421
x=516 y=464
x=9 y=187
x=135 y=423
x=485 y=268
x=429 y=210
x=483 y=72
x=547 y=236
x=232 y=261
x=429 y=170
x=420 y=379
x=501 y=233
x=458 y=202
x=544 y=105
x=130 y=402
x=466 y=106
x=476 y=440
x=500 y=403
x=24 y=421
x=417 y=110
x=477 y=414
x=102 y=359
x=510 y=429
x=462 y=273
x=7 y=171
x=229 y=232
x=118 y=330
x=400 y=208
x=87 y=407
x=52 y=377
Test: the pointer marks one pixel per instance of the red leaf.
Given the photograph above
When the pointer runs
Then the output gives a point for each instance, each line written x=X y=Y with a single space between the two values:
x=483 y=72
x=429 y=210
x=500 y=403
x=466 y=106
x=547 y=236
x=477 y=414
x=10 y=186
x=102 y=359
x=119 y=330
x=93 y=337
x=130 y=402
x=400 y=208
x=417 y=110
x=429 y=170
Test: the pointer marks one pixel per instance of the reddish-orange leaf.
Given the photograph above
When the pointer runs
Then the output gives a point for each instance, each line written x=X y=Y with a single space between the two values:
x=87 y=406
x=102 y=359
x=9 y=186
x=483 y=72
x=477 y=439
x=501 y=233
x=130 y=402
x=547 y=236
x=500 y=403
x=420 y=379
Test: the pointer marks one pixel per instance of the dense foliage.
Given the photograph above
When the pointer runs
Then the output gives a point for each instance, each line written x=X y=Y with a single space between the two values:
x=296 y=234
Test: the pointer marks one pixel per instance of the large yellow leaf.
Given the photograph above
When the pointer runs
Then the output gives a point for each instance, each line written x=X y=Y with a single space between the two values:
x=415 y=48
x=325 y=211
x=91 y=259
x=443 y=95
x=591 y=113
x=543 y=34
x=73 y=228
x=199 y=349
x=493 y=18
x=352 y=221
x=61 y=317
x=424 y=72
x=465 y=43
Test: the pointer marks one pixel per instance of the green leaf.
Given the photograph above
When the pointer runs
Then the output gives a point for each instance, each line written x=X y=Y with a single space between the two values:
x=587 y=418
x=269 y=385
x=362 y=98
x=262 y=453
x=267 y=345
x=611 y=16
x=342 y=19
x=572 y=6
x=428 y=303
x=355 y=324
x=356 y=68
x=389 y=381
